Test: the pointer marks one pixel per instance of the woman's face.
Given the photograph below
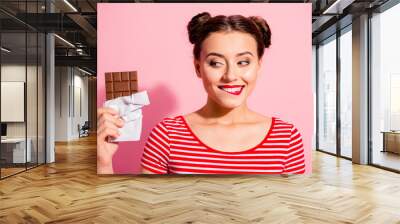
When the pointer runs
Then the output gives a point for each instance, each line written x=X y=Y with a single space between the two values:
x=229 y=66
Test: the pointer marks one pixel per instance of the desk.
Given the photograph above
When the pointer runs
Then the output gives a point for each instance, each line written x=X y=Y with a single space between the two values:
x=391 y=141
x=15 y=148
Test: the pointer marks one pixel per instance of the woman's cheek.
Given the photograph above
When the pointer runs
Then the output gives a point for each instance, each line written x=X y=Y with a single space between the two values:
x=250 y=75
x=208 y=83
x=212 y=76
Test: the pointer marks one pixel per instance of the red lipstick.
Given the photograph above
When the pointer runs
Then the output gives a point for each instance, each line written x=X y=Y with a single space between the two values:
x=232 y=89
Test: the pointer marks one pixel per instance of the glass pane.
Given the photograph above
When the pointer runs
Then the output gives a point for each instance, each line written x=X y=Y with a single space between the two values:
x=13 y=85
x=327 y=96
x=346 y=94
x=314 y=76
x=386 y=89
x=31 y=85
x=31 y=100
x=41 y=98
x=23 y=84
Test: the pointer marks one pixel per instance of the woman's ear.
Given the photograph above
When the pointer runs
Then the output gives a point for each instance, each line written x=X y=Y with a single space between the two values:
x=197 y=67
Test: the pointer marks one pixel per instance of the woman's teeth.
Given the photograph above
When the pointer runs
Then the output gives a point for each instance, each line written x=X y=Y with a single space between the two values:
x=232 y=90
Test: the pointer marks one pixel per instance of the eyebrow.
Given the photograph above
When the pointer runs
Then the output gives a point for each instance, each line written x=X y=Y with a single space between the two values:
x=222 y=56
x=243 y=53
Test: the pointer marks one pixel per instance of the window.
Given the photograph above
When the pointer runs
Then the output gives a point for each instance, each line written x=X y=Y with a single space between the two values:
x=346 y=92
x=327 y=95
x=385 y=88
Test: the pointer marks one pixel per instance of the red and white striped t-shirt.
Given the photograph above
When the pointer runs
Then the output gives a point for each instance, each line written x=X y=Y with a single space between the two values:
x=173 y=148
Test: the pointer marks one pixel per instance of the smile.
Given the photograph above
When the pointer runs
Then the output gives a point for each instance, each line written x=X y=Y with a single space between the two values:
x=232 y=89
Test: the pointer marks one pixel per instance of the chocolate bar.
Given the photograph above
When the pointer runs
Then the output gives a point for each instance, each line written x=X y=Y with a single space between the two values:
x=120 y=84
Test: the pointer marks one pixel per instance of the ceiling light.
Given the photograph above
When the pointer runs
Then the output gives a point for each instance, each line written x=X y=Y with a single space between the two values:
x=329 y=9
x=84 y=71
x=5 y=50
x=337 y=7
x=70 y=5
x=64 y=40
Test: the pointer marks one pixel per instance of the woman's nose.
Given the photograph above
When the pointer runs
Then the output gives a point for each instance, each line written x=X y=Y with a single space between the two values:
x=230 y=74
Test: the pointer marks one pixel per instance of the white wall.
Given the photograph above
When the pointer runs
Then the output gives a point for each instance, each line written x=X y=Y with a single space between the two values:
x=15 y=72
x=80 y=84
x=70 y=83
x=61 y=103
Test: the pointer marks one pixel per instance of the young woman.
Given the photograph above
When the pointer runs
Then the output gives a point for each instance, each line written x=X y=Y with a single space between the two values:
x=224 y=136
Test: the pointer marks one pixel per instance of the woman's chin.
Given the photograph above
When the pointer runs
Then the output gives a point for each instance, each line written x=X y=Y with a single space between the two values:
x=230 y=104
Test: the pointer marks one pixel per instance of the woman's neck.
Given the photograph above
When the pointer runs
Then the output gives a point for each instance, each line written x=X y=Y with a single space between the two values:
x=215 y=113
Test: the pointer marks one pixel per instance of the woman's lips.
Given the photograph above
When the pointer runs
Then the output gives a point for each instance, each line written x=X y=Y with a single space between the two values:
x=232 y=89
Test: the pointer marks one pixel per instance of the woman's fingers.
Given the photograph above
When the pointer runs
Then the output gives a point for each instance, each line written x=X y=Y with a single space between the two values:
x=119 y=122
x=115 y=119
x=108 y=110
x=107 y=129
x=107 y=132
x=108 y=124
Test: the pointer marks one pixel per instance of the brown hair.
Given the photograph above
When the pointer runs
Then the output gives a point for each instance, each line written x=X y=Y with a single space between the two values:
x=201 y=25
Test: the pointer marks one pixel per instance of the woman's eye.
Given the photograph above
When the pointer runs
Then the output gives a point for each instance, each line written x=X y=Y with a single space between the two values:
x=215 y=64
x=244 y=62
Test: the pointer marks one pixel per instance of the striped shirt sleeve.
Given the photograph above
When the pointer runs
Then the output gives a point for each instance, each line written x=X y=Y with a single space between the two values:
x=156 y=150
x=295 y=162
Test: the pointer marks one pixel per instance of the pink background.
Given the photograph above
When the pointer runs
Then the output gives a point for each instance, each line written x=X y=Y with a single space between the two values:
x=152 y=39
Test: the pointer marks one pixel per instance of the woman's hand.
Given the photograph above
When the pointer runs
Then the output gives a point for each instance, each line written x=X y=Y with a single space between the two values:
x=108 y=123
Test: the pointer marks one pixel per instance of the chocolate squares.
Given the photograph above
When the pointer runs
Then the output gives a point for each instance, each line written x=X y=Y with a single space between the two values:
x=120 y=84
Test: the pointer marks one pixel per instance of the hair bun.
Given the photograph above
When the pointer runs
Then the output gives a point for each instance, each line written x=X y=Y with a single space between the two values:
x=263 y=27
x=195 y=25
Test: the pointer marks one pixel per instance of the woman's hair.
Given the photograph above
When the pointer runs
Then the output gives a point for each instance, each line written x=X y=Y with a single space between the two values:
x=203 y=24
